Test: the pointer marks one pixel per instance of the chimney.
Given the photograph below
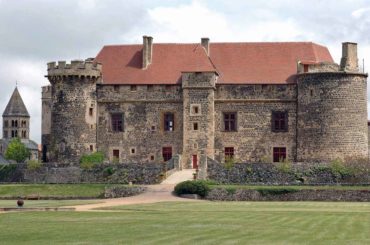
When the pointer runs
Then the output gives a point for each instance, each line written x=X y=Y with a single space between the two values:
x=349 y=61
x=147 y=51
x=205 y=44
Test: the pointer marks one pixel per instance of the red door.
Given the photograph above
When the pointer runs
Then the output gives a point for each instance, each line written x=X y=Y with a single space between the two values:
x=195 y=161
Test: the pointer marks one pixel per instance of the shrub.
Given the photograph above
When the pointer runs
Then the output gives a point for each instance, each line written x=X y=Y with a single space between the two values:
x=33 y=165
x=7 y=171
x=90 y=160
x=192 y=187
x=229 y=163
x=284 y=166
x=108 y=171
x=339 y=169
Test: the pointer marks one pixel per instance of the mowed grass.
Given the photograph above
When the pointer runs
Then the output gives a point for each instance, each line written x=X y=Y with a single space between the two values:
x=53 y=190
x=44 y=203
x=294 y=187
x=195 y=223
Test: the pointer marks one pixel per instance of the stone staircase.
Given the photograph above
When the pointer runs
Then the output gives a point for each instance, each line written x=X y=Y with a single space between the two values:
x=179 y=176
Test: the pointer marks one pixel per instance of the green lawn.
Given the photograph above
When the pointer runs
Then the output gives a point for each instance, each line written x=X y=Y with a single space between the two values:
x=53 y=190
x=195 y=223
x=295 y=187
x=44 y=203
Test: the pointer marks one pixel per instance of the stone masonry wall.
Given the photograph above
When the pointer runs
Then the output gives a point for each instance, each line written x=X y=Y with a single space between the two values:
x=199 y=120
x=254 y=139
x=332 y=116
x=143 y=111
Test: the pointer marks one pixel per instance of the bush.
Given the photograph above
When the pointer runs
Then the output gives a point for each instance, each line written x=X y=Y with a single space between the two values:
x=229 y=163
x=284 y=166
x=192 y=187
x=7 y=171
x=17 y=151
x=33 y=165
x=90 y=160
x=339 y=169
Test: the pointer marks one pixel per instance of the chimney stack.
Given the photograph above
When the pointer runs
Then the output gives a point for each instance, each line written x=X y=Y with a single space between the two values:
x=147 y=51
x=205 y=43
x=349 y=61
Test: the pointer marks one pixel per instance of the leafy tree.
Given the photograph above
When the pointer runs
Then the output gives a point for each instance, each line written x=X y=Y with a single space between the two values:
x=17 y=151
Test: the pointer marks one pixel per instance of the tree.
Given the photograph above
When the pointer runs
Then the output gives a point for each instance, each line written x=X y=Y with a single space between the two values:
x=17 y=151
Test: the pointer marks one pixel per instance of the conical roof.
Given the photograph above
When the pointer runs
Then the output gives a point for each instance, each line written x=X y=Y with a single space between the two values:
x=16 y=106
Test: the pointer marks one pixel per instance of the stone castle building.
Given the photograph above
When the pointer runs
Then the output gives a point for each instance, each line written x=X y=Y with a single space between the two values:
x=16 y=123
x=255 y=102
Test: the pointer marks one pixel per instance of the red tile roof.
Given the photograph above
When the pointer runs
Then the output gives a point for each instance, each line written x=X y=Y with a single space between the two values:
x=236 y=63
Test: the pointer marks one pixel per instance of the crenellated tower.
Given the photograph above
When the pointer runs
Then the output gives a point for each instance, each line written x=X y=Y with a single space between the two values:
x=73 y=109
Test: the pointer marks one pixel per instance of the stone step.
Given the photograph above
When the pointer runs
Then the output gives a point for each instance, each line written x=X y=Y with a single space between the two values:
x=179 y=176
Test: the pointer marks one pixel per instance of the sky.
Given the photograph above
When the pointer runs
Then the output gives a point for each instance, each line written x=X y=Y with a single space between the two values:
x=34 y=32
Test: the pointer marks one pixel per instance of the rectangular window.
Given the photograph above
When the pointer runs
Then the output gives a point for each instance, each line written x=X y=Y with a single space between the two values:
x=195 y=126
x=91 y=148
x=116 y=154
x=279 y=154
x=279 y=121
x=91 y=111
x=167 y=153
x=117 y=122
x=229 y=152
x=116 y=88
x=150 y=87
x=169 y=122
x=6 y=124
x=230 y=121
x=133 y=88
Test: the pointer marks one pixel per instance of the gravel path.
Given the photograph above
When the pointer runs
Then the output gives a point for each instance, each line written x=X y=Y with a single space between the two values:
x=154 y=193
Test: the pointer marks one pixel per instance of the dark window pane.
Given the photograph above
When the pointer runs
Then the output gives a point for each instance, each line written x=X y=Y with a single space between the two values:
x=229 y=152
x=279 y=154
x=169 y=122
x=167 y=153
x=230 y=121
x=117 y=122
x=279 y=121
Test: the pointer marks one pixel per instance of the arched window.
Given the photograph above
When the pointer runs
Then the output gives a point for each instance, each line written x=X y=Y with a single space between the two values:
x=16 y=123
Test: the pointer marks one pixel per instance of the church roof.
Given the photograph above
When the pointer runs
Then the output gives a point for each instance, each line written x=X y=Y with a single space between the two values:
x=236 y=63
x=16 y=106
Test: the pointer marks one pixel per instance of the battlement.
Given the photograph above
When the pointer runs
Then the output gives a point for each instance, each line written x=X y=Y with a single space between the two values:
x=87 y=68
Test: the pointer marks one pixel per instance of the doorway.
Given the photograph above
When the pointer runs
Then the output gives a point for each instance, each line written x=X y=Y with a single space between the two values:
x=195 y=161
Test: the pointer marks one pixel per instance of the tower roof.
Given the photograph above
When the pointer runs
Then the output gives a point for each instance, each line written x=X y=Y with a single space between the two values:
x=16 y=106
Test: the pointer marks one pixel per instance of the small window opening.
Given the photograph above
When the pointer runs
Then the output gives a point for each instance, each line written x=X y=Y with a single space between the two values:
x=311 y=92
x=116 y=88
x=169 y=122
x=132 y=150
x=153 y=128
x=150 y=87
x=151 y=157
x=279 y=154
x=116 y=154
x=195 y=126
x=229 y=152
x=91 y=111
x=91 y=148
x=133 y=88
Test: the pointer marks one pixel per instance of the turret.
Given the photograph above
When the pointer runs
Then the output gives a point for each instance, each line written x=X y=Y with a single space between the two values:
x=73 y=109
x=332 y=110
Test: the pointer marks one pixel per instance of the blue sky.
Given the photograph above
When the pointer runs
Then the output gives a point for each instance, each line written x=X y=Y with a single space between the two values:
x=34 y=32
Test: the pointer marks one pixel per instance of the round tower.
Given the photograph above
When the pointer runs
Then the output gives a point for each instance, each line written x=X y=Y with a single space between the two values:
x=332 y=110
x=73 y=109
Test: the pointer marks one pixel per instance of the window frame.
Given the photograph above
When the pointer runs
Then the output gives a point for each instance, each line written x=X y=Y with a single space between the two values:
x=279 y=154
x=167 y=119
x=229 y=123
x=229 y=152
x=116 y=125
x=167 y=153
x=279 y=121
